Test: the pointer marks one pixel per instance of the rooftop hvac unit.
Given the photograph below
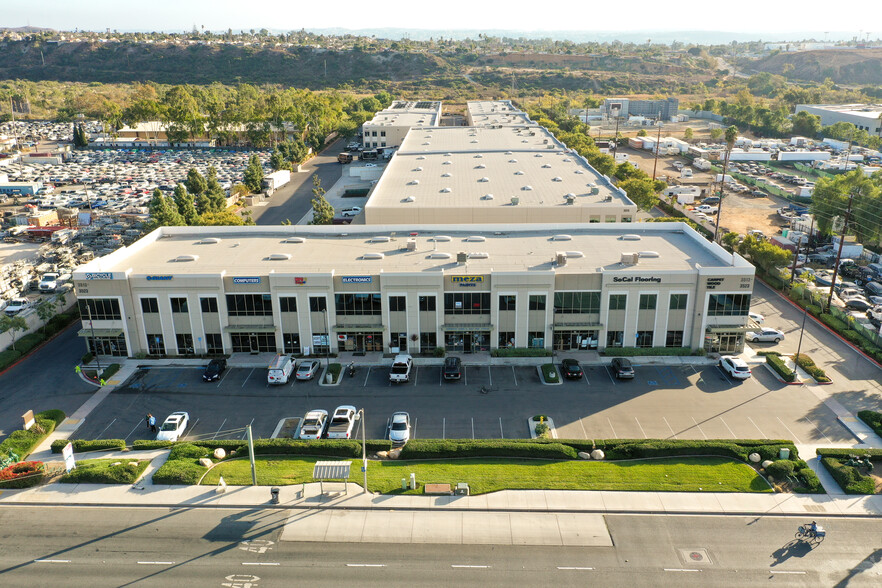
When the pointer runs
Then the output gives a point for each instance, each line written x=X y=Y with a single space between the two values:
x=515 y=200
x=561 y=259
x=411 y=244
x=562 y=237
x=462 y=257
x=630 y=258
x=594 y=190
x=629 y=237
x=545 y=141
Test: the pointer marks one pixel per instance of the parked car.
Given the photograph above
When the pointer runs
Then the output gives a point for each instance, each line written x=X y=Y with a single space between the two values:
x=452 y=368
x=399 y=427
x=706 y=209
x=16 y=305
x=711 y=200
x=351 y=211
x=214 y=370
x=173 y=427
x=342 y=422
x=765 y=336
x=757 y=317
x=622 y=368
x=313 y=424
x=735 y=367
x=571 y=369
x=401 y=366
x=307 y=369
x=859 y=303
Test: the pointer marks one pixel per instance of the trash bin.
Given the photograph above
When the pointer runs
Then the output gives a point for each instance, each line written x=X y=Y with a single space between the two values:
x=784 y=453
x=329 y=379
x=274 y=494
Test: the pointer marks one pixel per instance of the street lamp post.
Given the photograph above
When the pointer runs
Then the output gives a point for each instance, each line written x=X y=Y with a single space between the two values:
x=363 y=448
x=327 y=340
x=94 y=341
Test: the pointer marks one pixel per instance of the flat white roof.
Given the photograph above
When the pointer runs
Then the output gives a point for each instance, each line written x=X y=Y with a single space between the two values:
x=863 y=110
x=408 y=113
x=496 y=112
x=364 y=250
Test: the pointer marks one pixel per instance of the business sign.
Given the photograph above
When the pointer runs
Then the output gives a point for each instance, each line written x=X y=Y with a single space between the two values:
x=300 y=281
x=158 y=278
x=712 y=283
x=99 y=276
x=319 y=340
x=357 y=279
x=29 y=420
x=466 y=279
x=68 y=455
x=246 y=280
x=637 y=279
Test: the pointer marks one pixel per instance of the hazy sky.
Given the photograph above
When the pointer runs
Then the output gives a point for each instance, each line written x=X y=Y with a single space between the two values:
x=746 y=16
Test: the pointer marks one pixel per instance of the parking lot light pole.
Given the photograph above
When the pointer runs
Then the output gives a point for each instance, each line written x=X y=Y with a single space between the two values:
x=327 y=340
x=363 y=449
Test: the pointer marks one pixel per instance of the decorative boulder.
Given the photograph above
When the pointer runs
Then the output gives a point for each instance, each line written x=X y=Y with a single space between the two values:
x=584 y=455
x=394 y=453
x=205 y=462
x=133 y=464
x=220 y=453
x=382 y=455
x=767 y=463
x=598 y=454
x=754 y=457
x=116 y=463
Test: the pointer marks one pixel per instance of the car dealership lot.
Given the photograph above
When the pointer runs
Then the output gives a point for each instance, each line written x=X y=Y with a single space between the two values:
x=681 y=402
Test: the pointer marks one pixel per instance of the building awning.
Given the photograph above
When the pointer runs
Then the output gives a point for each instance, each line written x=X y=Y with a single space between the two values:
x=250 y=329
x=575 y=326
x=99 y=332
x=363 y=329
x=466 y=328
x=331 y=470
x=732 y=329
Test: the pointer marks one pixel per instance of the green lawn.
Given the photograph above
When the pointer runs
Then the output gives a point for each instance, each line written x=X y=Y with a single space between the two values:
x=711 y=474
x=102 y=471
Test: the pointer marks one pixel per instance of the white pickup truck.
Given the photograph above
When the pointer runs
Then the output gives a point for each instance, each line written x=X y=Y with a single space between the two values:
x=401 y=367
x=313 y=424
x=342 y=423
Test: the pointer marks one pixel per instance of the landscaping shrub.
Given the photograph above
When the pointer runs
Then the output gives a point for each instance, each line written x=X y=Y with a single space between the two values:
x=87 y=358
x=549 y=373
x=520 y=352
x=834 y=323
x=24 y=474
x=334 y=369
x=849 y=478
x=185 y=451
x=781 y=468
x=647 y=351
x=26 y=343
x=8 y=357
x=873 y=420
x=22 y=442
x=180 y=471
x=102 y=471
x=778 y=365
x=439 y=352
x=814 y=310
x=433 y=448
x=111 y=369
x=810 y=483
x=55 y=415
x=541 y=430
x=151 y=444
x=875 y=454
x=324 y=447
x=84 y=445
x=807 y=364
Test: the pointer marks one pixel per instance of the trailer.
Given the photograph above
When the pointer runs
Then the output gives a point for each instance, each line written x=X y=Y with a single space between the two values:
x=277 y=179
x=804 y=156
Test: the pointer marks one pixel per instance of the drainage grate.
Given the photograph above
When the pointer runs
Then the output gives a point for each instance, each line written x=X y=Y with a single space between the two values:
x=815 y=508
x=695 y=556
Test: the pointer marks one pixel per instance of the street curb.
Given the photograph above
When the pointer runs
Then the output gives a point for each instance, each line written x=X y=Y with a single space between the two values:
x=546 y=383
x=782 y=380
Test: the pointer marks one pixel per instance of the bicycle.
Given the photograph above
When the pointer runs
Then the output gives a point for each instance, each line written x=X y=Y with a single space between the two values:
x=811 y=533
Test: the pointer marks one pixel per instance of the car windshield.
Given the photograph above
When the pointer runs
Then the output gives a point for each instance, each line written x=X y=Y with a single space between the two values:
x=310 y=423
x=169 y=426
x=399 y=426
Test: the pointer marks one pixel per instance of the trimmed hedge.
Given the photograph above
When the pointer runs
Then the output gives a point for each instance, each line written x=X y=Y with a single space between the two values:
x=100 y=471
x=151 y=444
x=24 y=474
x=781 y=468
x=811 y=484
x=84 y=445
x=55 y=415
x=873 y=420
x=834 y=323
x=23 y=442
x=648 y=351
x=110 y=371
x=848 y=477
x=519 y=352
x=8 y=357
x=434 y=448
x=845 y=452
x=806 y=363
x=782 y=370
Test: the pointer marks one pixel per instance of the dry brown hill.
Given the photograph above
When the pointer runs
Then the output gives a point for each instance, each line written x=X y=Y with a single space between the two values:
x=843 y=66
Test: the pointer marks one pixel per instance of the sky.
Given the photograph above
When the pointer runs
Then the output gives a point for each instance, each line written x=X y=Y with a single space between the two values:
x=769 y=20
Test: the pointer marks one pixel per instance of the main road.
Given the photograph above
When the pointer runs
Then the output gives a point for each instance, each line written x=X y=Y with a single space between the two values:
x=71 y=546
x=293 y=200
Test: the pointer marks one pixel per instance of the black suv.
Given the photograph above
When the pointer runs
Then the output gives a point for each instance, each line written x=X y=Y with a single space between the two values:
x=571 y=369
x=452 y=368
x=214 y=370
x=622 y=368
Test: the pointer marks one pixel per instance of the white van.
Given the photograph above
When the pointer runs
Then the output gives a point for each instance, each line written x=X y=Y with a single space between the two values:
x=280 y=370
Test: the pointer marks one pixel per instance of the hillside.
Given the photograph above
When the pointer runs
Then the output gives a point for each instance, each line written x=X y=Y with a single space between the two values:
x=843 y=66
x=203 y=64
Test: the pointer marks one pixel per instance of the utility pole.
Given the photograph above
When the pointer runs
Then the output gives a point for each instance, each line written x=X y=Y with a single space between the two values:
x=657 y=145
x=363 y=449
x=251 y=455
x=839 y=252
x=805 y=306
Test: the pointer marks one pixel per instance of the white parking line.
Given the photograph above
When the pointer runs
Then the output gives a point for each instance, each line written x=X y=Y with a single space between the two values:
x=730 y=428
x=366 y=376
x=757 y=428
x=784 y=572
x=465 y=374
x=680 y=570
x=501 y=432
x=219 y=429
x=490 y=374
x=415 y=421
x=611 y=427
x=641 y=428
x=819 y=430
x=514 y=375
x=245 y=434
x=795 y=438
x=699 y=428
x=133 y=430
x=444 y=428
x=669 y=427
x=219 y=382
x=611 y=379
x=722 y=371
x=193 y=426
x=584 y=432
x=259 y=563
x=248 y=376
x=156 y=563
x=105 y=428
x=473 y=427
x=51 y=561
x=365 y=565
x=416 y=374
x=464 y=566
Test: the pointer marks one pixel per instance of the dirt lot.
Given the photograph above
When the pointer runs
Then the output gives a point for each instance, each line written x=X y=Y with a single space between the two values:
x=740 y=212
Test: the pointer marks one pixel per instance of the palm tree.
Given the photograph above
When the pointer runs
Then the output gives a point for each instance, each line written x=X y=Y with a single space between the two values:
x=731 y=134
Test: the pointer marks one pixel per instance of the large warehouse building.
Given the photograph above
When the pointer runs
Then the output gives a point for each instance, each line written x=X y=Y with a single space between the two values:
x=312 y=289
x=864 y=116
x=389 y=127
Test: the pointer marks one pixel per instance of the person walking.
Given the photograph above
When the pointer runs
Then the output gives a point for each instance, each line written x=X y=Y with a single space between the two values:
x=147 y=420
x=152 y=423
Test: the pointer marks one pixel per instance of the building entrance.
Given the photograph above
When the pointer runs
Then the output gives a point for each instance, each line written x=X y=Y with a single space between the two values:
x=575 y=340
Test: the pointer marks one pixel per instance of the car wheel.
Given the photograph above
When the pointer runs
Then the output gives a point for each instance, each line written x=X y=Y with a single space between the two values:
x=777 y=339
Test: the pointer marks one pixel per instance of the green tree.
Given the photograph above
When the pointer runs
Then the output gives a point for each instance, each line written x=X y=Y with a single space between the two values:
x=322 y=211
x=13 y=324
x=641 y=133
x=688 y=134
x=641 y=191
x=214 y=191
x=163 y=212
x=196 y=183
x=730 y=240
x=184 y=203
x=223 y=217
x=253 y=177
x=278 y=160
x=716 y=133
x=45 y=311
x=806 y=124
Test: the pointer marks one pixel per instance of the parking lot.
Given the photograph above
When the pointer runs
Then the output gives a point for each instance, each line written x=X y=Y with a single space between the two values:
x=680 y=402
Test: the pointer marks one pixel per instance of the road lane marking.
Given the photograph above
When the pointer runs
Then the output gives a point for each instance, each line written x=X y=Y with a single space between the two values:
x=730 y=428
x=260 y=563
x=365 y=565
x=105 y=428
x=669 y=427
x=51 y=561
x=611 y=427
x=818 y=430
x=757 y=428
x=699 y=427
x=572 y=568
x=501 y=432
x=789 y=431
x=465 y=566
x=515 y=376
x=366 y=376
x=248 y=376
x=219 y=429
x=444 y=427
x=641 y=428
x=680 y=570
x=784 y=572
x=156 y=563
